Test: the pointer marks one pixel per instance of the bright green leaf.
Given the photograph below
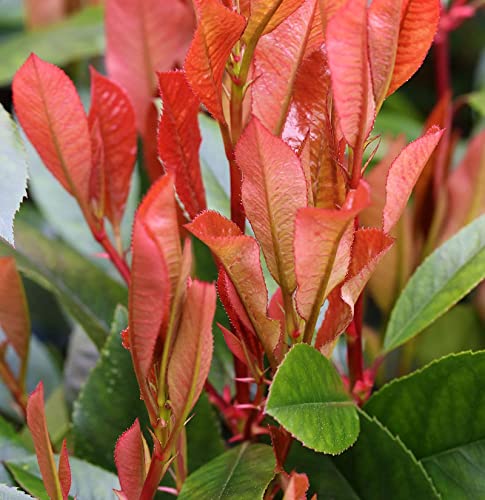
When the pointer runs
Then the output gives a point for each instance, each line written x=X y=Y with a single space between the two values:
x=439 y=413
x=85 y=291
x=477 y=101
x=28 y=481
x=11 y=448
x=13 y=174
x=242 y=473
x=445 y=277
x=308 y=399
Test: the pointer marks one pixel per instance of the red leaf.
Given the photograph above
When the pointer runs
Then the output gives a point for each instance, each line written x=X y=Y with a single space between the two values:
x=273 y=189
x=52 y=116
x=192 y=354
x=233 y=343
x=404 y=173
x=266 y=15
x=370 y=245
x=239 y=254
x=38 y=428
x=131 y=461
x=317 y=236
x=350 y=71
x=179 y=140
x=419 y=24
x=144 y=37
x=14 y=313
x=218 y=30
x=276 y=63
x=297 y=487
x=64 y=471
x=113 y=114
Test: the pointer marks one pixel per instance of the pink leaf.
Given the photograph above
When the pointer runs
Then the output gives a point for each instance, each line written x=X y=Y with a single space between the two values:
x=218 y=30
x=403 y=175
x=64 y=471
x=273 y=189
x=179 y=140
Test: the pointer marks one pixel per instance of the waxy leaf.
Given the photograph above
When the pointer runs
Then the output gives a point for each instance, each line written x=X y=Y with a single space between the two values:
x=192 y=354
x=419 y=23
x=242 y=473
x=266 y=15
x=218 y=30
x=317 y=236
x=404 y=173
x=179 y=140
x=132 y=461
x=350 y=71
x=273 y=189
x=438 y=413
x=142 y=38
x=114 y=118
x=52 y=116
x=308 y=399
x=239 y=254
x=37 y=424
x=445 y=277
x=14 y=313
x=276 y=64
x=13 y=174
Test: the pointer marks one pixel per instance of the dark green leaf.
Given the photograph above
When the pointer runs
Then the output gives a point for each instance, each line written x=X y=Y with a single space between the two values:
x=445 y=277
x=13 y=174
x=242 y=473
x=85 y=291
x=77 y=37
x=439 y=413
x=308 y=399
x=111 y=392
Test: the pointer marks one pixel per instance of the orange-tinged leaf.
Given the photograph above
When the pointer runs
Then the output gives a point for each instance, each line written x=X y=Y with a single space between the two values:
x=14 y=313
x=266 y=15
x=347 y=47
x=38 y=428
x=64 y=471
x=384 y=24
x=419 y=24
x=130 y=460
x=276 y=62
x=144 y=37
x=369 y=246
x=179 y=140
x=217 y=32
x=297 y=487
x=113 y=115
x=52 y=116
x=239 y=254
x=403 y=175
x=317 y=237
x=273 y=189
x=328 y=8
x=192 y=353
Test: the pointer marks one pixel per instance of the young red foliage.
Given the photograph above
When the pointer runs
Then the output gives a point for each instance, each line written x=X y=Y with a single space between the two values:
x=192 y=353
x=37 y=424
x=297 y=487
x=142 y=38
x=132 y=460
x=273 y=189
x=217 y=32
x=112 y=115
x=64 y=471
x=14 y=313
x=52 y=116
x=179 y=140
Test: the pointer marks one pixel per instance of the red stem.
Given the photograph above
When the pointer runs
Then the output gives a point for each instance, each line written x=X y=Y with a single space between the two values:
x=10 y=381
x=158 y=467
x=442 y=63
x=114 y=256
x=355 y=357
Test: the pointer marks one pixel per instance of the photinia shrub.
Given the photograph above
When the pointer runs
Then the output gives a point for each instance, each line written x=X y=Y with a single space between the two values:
x=234 y=342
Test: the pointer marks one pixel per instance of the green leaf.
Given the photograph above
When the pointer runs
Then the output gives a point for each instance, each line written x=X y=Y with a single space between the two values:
x=445 y=277
x=10 y=493
x=111 y=392
x=28 y=481
x=242 y=473
x=308 y=399
x=86 y=292
x=77 y=37
x=11 y=448
x=477 y=101
x=13 y=174
x=88 y=481
x=439 y=413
